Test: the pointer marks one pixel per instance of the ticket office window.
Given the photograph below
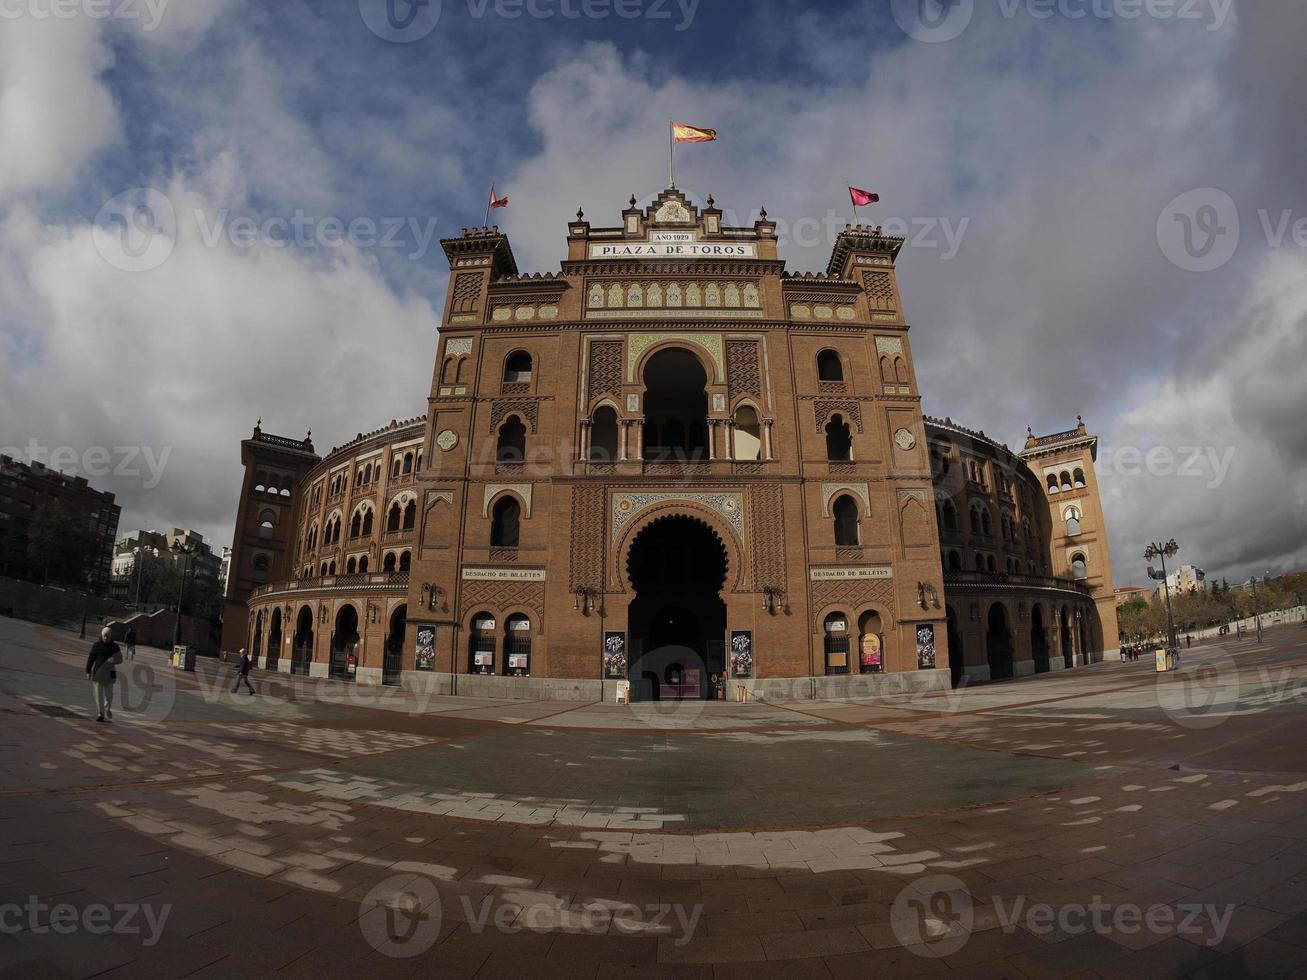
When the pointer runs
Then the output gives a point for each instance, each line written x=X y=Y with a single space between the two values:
x=517 y=647
x=481 y=653
x=836 y=628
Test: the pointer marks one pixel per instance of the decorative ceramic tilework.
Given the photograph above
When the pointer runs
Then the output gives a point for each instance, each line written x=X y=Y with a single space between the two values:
x=628 y=505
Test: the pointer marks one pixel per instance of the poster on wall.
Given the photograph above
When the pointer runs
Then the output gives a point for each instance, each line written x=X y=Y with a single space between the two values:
x=741 y=653
x=615 y=656
x=871 y=654
x=426 y=651
x=926 y=647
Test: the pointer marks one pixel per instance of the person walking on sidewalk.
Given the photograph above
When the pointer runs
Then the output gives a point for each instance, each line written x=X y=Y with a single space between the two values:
x=130 y=641
x=105 y=655
x=243 y=672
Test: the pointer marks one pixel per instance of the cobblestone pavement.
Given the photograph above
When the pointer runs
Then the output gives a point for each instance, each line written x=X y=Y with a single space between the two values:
x=1101 y=822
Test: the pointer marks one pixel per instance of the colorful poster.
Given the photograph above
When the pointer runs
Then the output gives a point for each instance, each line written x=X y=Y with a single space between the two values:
x=426 y=650
x=871 y=654
x=741 y=653
x=926 y=646
x=615 y=656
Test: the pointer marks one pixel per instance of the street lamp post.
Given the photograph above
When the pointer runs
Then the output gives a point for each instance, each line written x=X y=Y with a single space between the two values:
x=185 y=551
x=1164 y=551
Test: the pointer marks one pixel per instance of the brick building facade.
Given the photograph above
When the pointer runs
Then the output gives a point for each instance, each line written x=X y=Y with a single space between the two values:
x=672 y=463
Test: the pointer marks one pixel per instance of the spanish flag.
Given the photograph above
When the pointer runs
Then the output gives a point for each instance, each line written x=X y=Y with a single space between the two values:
x=692 y=134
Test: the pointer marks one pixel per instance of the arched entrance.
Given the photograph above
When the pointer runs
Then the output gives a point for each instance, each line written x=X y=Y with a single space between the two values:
x=871 y=643
x=392 y=660
x=344 y=644
x=274 y=641
x=1068 y=652
x=517 y=646
x=956 y=657
x=1086 y=656
x=677 y=620
x=302 y=650
x=258 y=636
x=998 y=643
x=675 y=406
x=1038 y=640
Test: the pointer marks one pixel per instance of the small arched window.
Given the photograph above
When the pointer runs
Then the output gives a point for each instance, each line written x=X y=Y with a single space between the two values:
x=393 y=517
x=839 y=442
x=980 y=563
x=517 y=368
x=267 y=521
x=748 y=433
x=410 y=515
x=363 y=565
x=406 y=561
x=351 y=566
x=356 y=524
x=388 y=564
x=985 y=525
x=1072 y=521
x=954 y=562
x=845 y=512
x=261 y=568
x=829 y=366
x=511 y=447
x=603 y=434
x=1052 y=483
x=367 y=522
x=950 y=516
x=990 y=564
x=505 y=523
x=1079 y=568
x=1065 y=479
x=1078 y=478
x=408 y=463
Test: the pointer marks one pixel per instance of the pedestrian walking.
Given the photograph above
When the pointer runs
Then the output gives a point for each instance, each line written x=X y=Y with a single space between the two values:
x=243 y=673
x=104 y=656
x=130 y=642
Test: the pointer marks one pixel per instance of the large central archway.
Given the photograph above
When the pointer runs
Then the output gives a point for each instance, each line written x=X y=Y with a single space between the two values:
x=677 y=621
x=675 y=406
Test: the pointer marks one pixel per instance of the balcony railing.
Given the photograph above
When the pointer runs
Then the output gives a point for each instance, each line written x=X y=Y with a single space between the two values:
x=389 y=579
x=1014 y=578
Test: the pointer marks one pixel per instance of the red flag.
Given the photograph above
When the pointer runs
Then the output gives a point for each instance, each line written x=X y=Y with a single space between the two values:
x=497 y=202
x=861 y=197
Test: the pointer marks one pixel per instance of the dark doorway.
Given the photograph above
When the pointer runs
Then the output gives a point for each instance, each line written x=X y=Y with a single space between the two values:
x=274 y=641
x=302 y=651
x=675 y=406
x=1039 y=640
x=344 y=644
x=677 y=620
x=956 y=654
x=998 y=643
x=393 y=659
x=1068 y=652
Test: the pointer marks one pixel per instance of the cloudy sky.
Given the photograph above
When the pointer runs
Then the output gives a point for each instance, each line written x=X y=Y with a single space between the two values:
x=1104 y=201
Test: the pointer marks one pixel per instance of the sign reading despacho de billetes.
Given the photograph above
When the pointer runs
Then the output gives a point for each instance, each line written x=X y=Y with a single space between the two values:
x=503 y=574
x=866 y=571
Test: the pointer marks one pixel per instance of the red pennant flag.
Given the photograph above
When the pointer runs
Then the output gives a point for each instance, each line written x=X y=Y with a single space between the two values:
x=497 y=202
x=861 y=197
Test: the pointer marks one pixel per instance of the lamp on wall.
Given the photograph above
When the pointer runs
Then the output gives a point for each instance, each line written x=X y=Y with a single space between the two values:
x=927 y=596
x=583 y=599
x=773 y=600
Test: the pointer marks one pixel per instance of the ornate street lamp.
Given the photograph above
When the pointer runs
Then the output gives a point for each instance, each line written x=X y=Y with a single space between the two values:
x=1164 y=551
x=183 y=551
x=583 y=599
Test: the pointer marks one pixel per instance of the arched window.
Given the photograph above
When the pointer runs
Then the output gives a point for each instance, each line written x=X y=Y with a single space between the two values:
x=356 y=524
x=388 y=564
x=901 y=370
x=954 y=562
x=393 y=517
x=406 y=561
x=511 y=447
x=1065 y=479
x=845 y=512
x=367 y=522
x=1079 y=568
x=517 y=368
x=603 y=434
x=748 y=433
x=408 y=463
x=985 y=525
x=1052 y=483
x=1078 y=477
x=950 y=516
x=410 y=515
x=975 y=519
x=261 y=568
x=394 y=466
x=363 y=565
x=839 y=443
x=1072 y=521
x=505 y=523
x=990 y=564
x=980 y=563
x=886 y=370
x=267 y=521
x=829 y=366
x=351 y=567
x=675 y=405
x=331 y=569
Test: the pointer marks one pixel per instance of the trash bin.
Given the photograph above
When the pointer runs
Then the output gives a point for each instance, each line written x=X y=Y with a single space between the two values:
x=1165 y=660
x=183 y=658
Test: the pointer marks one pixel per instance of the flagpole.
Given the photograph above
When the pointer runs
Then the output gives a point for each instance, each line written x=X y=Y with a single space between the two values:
x=671 y=155
x=485 y=222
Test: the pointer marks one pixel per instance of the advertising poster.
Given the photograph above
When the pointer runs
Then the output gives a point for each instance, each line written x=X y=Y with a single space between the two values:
x=615 y=656
x=426 y=649
x=741 y=653
x=871 y=654
x=926 y=647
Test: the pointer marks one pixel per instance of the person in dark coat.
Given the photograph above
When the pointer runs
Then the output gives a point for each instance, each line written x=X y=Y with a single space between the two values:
x=104 y=656
x=130 y=642
x=243 y=672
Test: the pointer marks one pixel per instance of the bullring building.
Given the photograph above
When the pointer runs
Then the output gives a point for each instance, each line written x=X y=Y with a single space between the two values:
x=675 y=465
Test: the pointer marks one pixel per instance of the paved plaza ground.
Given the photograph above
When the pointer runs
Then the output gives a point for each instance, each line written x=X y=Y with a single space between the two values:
x=1101 y=822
